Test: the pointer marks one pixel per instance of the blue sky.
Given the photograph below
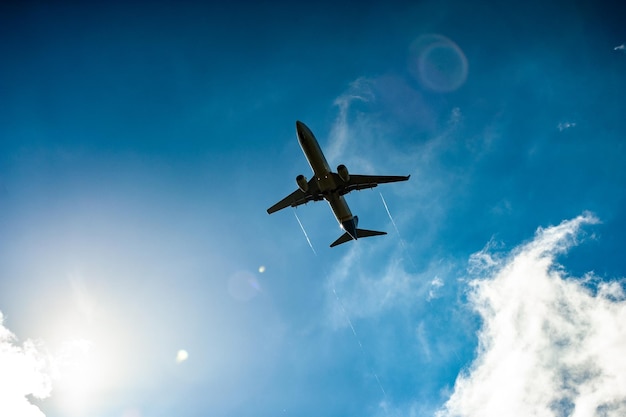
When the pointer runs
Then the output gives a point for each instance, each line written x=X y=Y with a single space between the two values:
x=140 y=145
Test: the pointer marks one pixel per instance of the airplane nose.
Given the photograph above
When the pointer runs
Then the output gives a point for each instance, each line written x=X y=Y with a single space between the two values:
x=299 y=126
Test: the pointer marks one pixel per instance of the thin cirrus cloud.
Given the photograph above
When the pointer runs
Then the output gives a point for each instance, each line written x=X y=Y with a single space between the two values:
x=359 y=287
x=366 y=293
x=550 y=344
x=359 y=90
x=354 y=280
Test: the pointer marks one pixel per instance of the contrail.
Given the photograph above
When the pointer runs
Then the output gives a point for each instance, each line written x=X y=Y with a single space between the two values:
x=389 y=214
x=356 y=336
x=345 y=313
x=305 y=234
x=397 y=231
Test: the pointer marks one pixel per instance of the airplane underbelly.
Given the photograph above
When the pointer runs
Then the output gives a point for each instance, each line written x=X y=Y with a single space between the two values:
x=340 y=208
x=326 y=182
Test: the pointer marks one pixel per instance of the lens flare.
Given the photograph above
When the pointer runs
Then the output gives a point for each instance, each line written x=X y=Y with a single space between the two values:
x=438 y=63
x=243 y=286
x=181 y=356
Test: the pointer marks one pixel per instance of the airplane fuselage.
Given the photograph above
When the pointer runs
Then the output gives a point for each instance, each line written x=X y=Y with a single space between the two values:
x=324 y=178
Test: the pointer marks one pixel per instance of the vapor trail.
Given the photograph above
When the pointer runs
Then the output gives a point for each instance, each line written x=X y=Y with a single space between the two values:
x=347 y=317
x=397 y=231
x=389 y=214
x=345 y=313
x=356 y=336
x=305 y=234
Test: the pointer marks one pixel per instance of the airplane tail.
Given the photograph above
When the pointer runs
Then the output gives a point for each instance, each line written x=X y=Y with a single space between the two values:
x=346 y=237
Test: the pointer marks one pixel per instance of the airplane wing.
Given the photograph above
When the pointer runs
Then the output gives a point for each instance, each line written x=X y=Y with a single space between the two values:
x=361 y=182
x=297 y=198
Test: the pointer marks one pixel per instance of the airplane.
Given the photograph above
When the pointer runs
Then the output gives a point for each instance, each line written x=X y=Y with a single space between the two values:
x=331 y=186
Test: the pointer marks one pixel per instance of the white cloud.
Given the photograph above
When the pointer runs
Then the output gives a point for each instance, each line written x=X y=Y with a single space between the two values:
x=25 y=371
x=549 y=345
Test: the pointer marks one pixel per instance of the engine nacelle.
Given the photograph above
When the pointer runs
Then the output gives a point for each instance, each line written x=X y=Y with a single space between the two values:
x=303 y=184
x=343 y=173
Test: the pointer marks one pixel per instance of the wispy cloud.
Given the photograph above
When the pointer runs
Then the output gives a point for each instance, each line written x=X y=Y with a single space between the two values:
x=549 y=345
x=25 y=371
x=367 y=292
x=374 y=111
x=396 y=129
x=565 y=125
x=435 y=284
x=359 y=90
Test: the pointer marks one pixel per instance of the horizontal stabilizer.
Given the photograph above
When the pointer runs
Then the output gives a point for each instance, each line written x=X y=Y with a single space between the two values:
x=342 y=239
x=359 y=233
x=367 y=233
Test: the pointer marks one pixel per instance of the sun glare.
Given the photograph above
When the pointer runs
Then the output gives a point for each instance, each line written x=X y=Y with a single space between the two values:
x=80 y=375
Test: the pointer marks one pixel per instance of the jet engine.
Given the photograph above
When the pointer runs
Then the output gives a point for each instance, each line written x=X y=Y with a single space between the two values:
x=343 y=173
x=303 y=184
